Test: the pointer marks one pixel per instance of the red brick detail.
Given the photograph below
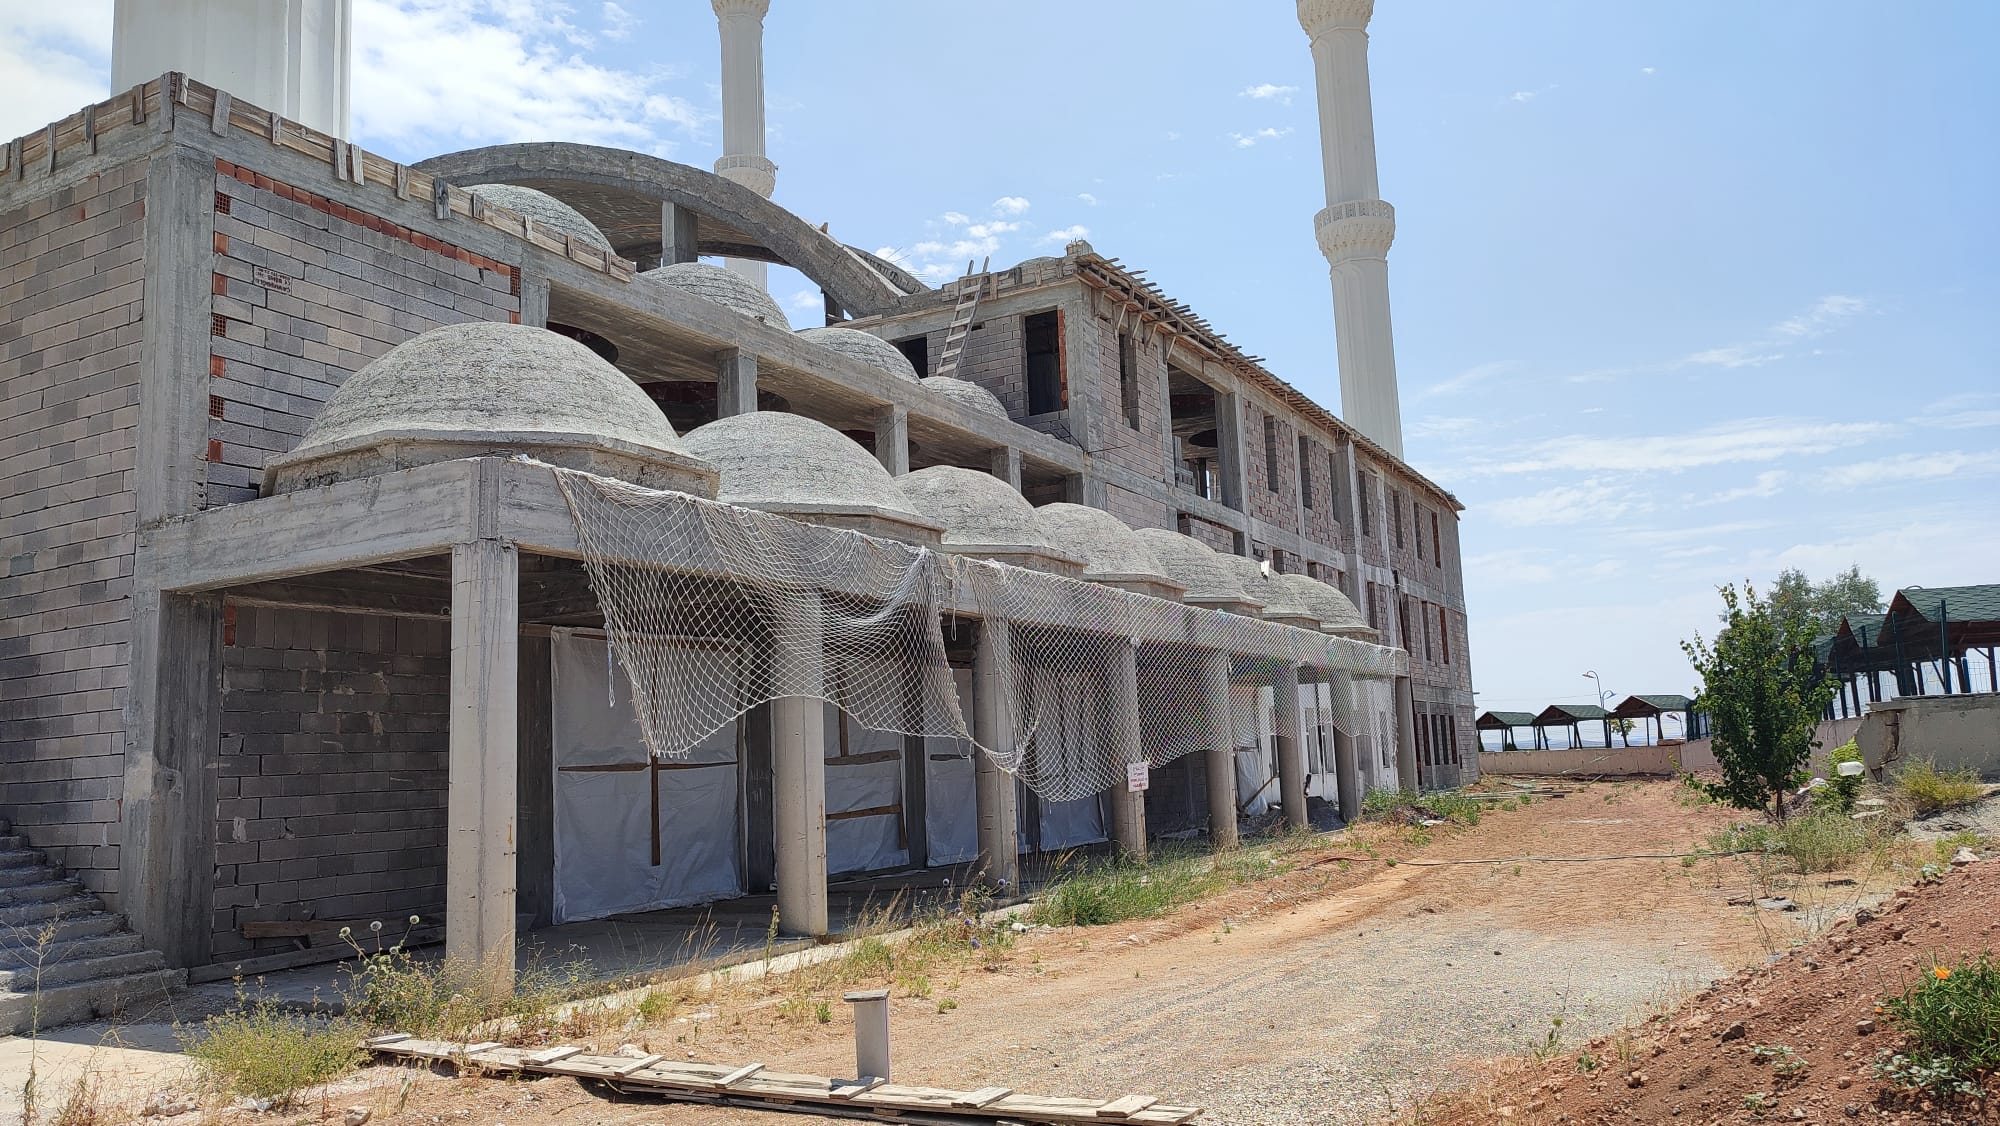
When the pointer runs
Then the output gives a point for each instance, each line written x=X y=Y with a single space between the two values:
x=361 y=218
x=215 y=406
x=228 y=624
x=219 y=284
x=215 y=367
x=221 y=243
x=514 y=318
x=215 y=449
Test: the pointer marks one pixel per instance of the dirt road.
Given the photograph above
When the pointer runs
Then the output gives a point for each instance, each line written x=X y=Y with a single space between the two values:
x=1325 y=996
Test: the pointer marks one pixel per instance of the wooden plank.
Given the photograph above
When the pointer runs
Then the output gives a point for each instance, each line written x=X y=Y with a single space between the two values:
x=385 y=1041
x=985 y=1096
x=1125 y=1107
x=739 y=1075
x=550 y=1055
x=845 y=1091
x=638 y=1064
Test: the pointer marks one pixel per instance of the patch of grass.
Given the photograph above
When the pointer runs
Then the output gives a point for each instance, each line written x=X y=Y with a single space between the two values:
x=261 y=1050
x=1120 y=891
x=1451 y=805
x=1952 y=1019
x=1378 y=804
x=1930 y=790
x=1947 y=847
x=1816 y=842
x=84 y=1104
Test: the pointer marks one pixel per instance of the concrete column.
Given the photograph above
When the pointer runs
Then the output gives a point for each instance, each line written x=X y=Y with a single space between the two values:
x=288 y=56
x=994 y=709
x=1006 y=465
x=798 y=767
x=1406 y=735
x=1356 y=228
x=1347 y=759
x=735 y=382
x=679 y=238
x=1219 y=757
x=741 y=23
x=1289 y=729
x=481 y=802
x=1232 y=457
x=892 y=439
x=1128 y=809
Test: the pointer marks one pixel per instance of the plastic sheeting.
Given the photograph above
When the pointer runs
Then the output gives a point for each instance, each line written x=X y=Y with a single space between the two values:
x=604 y=779
x=951 y=795
x=873 y=842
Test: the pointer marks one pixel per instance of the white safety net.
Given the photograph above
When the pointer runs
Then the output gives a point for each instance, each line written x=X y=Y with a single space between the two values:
x=1099 y=678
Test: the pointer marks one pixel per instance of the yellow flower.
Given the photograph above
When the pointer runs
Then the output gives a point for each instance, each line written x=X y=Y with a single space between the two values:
x=1941 y=973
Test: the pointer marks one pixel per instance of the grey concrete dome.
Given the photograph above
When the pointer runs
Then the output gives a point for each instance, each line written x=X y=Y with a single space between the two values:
x=545 y=209
x=984 y=516
x=1208 y=576
x=1113 y=554
x=713 y=283
x=865 y=347
x=484 y=389
x=1327 y=603
x=965 y=393
x=1281 y=602
x=791 y=464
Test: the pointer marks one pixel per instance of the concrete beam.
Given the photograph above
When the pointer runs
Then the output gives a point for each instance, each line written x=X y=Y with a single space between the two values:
x=174 y=341
x=994 y=709
x=1219 y=756
x=1232 y=456
x=1290 y=736
x=735 y=382
x=1005 y=464
x=892 y=439
x=481 y=809
x=679 y=235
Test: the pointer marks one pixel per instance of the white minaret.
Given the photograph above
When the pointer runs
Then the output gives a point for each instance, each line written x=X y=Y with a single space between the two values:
x=1356 y=228
x=289 y=56
x=742 y=24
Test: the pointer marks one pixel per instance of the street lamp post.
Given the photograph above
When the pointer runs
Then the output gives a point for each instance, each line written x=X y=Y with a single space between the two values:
x=1601 y=694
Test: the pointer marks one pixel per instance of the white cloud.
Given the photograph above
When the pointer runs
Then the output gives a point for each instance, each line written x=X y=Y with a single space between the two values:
x=956 y=218
x=1747 y=440
x=429 y=73
x=1173 y=136
x=1822 y=316
x=1268 y=93
x=1476 y=374
x=1087 y=198
x=618 y=23
x=1912 y=467
x=1512 y=566
x=56 y=59
x=1437 y=426
x=1767 y=484
x=1816 y=320
x=1734 y=356
x=1522 y=96
x=1245 y=140
x=1592 y=501
x=809 y=300
x=1010 y=205
x=1971 y=410
x=1648 y=69
x=1063 y=235
x=988 y=230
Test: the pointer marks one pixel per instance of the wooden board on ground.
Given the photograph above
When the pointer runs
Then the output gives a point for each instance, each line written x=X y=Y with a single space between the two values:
x=755 y=1085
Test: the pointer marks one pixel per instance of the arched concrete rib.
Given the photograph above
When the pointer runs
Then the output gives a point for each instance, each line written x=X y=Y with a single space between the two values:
x=620 y=191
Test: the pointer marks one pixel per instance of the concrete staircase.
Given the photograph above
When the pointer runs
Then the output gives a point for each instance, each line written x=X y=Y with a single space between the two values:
x=63 y=957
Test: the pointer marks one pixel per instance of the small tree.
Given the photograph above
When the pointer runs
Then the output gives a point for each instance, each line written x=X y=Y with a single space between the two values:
x=1764 y=697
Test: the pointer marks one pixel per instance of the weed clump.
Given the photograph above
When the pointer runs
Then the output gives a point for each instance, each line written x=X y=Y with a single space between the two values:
x=1930 y=790
x=263 y=1051
x=1119 y=891
x=1952 y=1019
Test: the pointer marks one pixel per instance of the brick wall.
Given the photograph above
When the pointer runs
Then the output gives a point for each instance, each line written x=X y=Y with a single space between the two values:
x=1136 y=510
x=306 y=292
x=1280 y=505
x=1322 y=524
x=332 y=780
x=71 y=285
x=1141 y=449
x=1215 y=536
x=994 y=358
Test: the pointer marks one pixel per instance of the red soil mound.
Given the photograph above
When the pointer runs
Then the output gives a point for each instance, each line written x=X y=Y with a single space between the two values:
x=1792 y=1041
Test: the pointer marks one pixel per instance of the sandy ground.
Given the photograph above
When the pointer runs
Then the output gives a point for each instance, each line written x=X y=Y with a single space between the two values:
x=1334 y=994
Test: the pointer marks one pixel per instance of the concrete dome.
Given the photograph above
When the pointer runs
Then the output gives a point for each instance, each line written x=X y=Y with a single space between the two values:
x=1280 y=601
x=1325 y=602
x=545 y=209
x=713 y=283
x=857 y=345
x=1207 y=575
x=791 y=464
x=484 y=389
x=984 y=516
x=1113 y=554
x=965 y=393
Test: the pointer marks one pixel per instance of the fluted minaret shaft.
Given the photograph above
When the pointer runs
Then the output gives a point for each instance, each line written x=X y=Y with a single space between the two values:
x=742 y=25
x=1356 y=228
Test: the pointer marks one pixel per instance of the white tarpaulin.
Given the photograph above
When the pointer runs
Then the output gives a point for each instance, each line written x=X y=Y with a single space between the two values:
x=1064 y=702
x=606 y=830
x=864 y=774
x=951 y=796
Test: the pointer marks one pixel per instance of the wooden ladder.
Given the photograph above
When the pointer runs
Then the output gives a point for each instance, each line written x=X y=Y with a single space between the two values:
x=969 y=288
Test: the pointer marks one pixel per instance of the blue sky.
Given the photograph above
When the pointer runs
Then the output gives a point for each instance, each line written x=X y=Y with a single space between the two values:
x=1683 y=293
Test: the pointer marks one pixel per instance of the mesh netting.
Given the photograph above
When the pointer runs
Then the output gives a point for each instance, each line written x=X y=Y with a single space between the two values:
x=1099 y=677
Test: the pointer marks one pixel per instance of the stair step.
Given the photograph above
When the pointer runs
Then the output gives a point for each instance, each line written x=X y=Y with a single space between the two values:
x=73 y=971
x=32 y=874
x=74 y=947
x=20 y=857
x=67 y=1004
x=32 y=915
x=47 y=891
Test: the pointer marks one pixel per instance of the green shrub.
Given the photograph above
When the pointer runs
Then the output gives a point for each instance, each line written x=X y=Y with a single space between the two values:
x=1450 y=805
x=1380 y=803
x=1952 y=1019
x=261 y=1050
x=1930 y=789
x=1841 y=791
x=1822 y=841
x=1116 y=892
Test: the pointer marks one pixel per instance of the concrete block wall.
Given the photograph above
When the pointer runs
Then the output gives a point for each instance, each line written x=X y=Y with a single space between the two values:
x=1215 y=536
x=1138 y=510
x=332 y=771
x=1322 y=525
x=995 y=357
x=307 y=291
x=1141 y=448
x=72 y=284
x=1271 y=498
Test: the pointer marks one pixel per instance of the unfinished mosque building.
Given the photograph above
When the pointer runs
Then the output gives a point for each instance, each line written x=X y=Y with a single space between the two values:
x=451 y=540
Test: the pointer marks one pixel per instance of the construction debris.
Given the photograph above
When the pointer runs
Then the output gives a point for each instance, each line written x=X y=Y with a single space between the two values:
x=754 y=1085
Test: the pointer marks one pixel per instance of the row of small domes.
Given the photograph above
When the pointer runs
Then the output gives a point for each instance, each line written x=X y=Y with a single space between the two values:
x=483 y=388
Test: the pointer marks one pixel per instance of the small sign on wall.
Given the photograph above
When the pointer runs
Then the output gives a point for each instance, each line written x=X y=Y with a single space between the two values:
x=1138 y=776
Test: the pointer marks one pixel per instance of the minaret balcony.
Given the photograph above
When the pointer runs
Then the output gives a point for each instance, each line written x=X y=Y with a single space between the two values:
x=752 y=171
x=1358 y=228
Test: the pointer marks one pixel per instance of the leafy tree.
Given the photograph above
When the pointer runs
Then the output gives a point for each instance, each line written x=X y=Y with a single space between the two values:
x=1821 y=605
x=1764 y=699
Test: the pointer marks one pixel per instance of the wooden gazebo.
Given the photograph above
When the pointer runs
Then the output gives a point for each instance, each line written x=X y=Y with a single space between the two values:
x=1570 y=715
x=1653 y=707
x=1925 y=627
x=1505 y=723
